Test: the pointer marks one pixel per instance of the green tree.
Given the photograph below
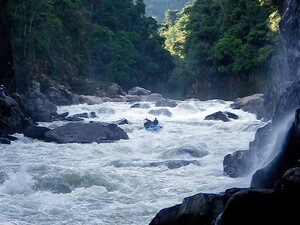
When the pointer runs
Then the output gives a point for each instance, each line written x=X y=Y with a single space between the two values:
x=226 y=39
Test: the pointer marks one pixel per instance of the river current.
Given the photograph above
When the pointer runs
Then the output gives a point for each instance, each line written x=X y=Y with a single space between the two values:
x=126 y=182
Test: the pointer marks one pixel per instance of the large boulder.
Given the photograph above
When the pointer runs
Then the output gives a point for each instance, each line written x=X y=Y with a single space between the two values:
x=249 y=207
x=35 y=132
x=85 y=133
x=201 y=208
x=12 y=120
x=222 y=116
x=261 y=206
x=138 y=91
x=252 y=104
x=36 y=105
x=57 y=93
x=111 y=91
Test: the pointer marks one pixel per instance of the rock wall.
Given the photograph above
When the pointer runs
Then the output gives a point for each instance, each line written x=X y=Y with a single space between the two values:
x=288 y=63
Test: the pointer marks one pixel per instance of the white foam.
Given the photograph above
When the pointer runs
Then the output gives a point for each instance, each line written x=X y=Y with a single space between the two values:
x=114 y=183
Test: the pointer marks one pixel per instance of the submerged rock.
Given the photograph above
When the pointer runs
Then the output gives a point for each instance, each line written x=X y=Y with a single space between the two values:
x=223 y=116
x=158 y=112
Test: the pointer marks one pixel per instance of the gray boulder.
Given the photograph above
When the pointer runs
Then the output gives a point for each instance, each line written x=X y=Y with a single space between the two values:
x=35 y=132
x=223 y=116
x=111 y=91
x=201 y=208
x=36 y=105
x=253 y=104
x=154 y=97
x=86 y=133
x=138 y=91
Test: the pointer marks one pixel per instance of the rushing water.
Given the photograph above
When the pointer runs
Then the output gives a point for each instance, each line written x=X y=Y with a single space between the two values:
x=126 y=182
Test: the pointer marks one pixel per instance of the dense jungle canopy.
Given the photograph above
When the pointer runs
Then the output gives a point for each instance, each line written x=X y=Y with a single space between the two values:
x=85 y=43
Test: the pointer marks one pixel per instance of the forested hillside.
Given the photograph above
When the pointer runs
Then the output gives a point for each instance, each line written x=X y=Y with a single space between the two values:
x=211 y=49
x=221 y=44
x=75 y=40
x=157 y=8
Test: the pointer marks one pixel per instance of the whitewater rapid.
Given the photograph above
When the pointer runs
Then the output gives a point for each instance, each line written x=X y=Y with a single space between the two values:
x=126 y=182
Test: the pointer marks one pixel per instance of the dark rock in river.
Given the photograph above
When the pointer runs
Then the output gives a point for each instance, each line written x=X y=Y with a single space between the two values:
x=36 y=132
x=166 y=103
x=86 y=133
x=174 y=164
x=5 y=141
x=141 y=105
x=223 y=116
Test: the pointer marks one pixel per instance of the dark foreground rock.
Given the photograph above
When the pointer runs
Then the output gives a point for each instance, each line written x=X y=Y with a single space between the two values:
x=85 y=133
x=262 y=206
x=201 y=208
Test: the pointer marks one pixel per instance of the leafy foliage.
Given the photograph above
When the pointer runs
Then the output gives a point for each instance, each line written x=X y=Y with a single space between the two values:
x=108 y=41
x=223 y=39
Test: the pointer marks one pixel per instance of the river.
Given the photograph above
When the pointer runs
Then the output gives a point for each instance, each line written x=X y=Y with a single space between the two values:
x=126 y=182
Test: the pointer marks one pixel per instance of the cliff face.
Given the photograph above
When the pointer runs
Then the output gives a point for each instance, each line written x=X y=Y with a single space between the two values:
x=290 y=36
x=288 y=69
x=7 y=74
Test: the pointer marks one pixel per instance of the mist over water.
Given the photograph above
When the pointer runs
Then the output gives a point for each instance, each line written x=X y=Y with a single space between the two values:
x=126 y=182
